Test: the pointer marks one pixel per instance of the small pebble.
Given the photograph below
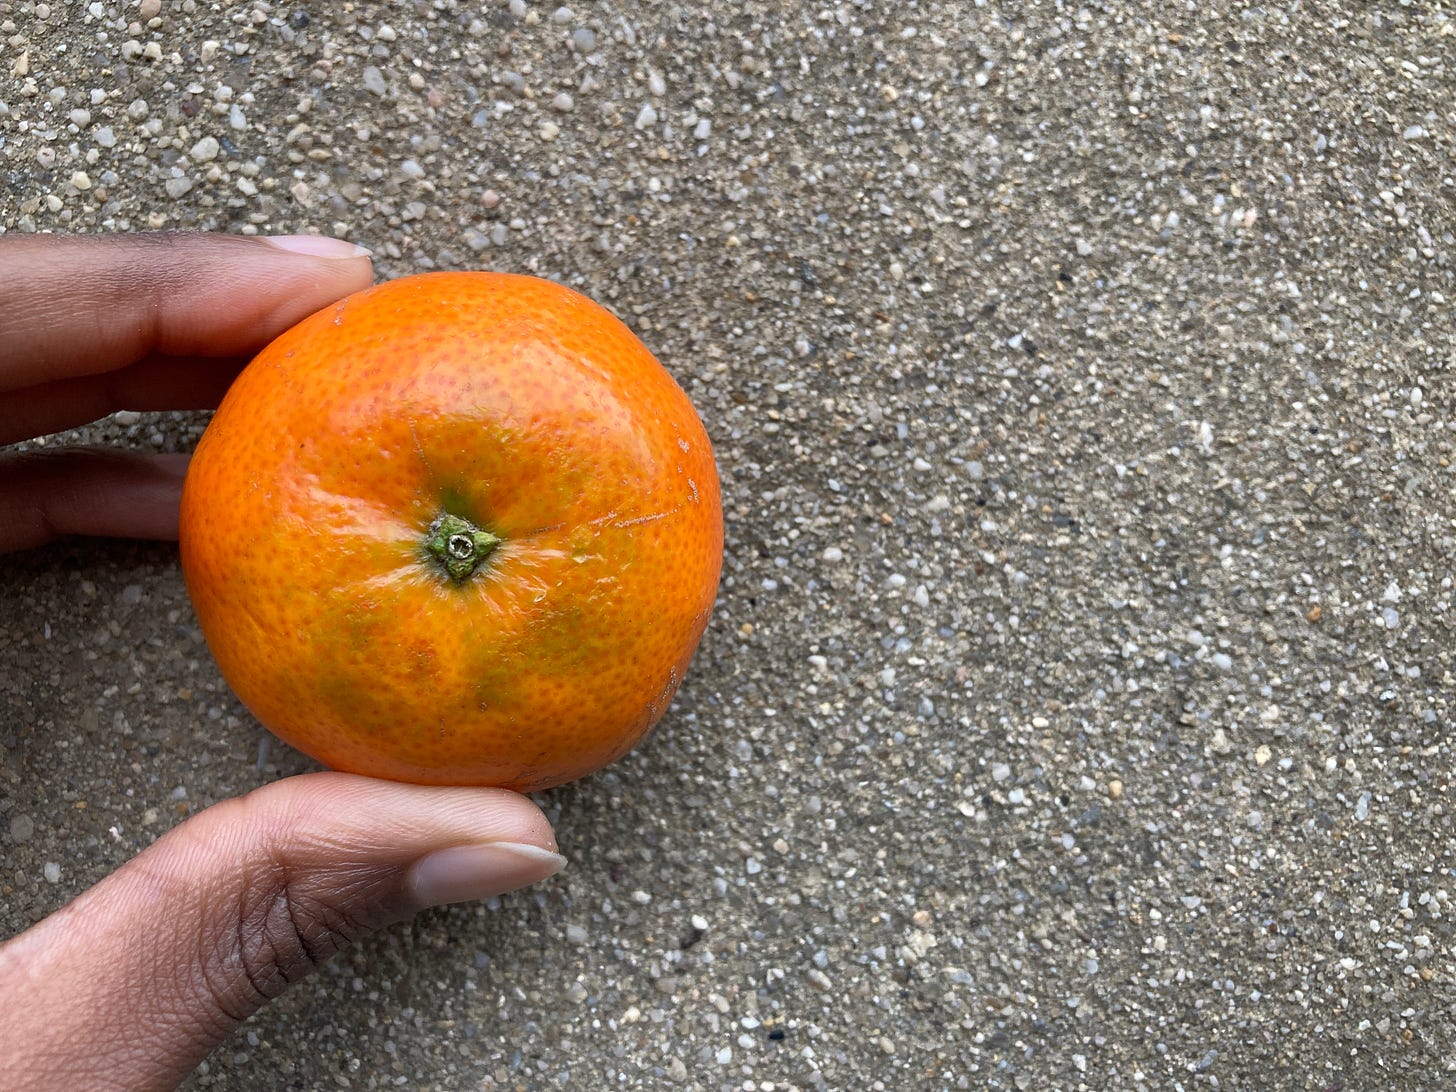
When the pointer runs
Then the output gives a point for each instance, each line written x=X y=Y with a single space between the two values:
x=374 y=81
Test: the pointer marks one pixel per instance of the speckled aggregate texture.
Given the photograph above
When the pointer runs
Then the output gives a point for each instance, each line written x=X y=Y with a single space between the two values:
x=1077 y=709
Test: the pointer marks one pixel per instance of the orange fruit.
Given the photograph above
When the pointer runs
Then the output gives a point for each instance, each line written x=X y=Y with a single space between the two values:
x=459 y=528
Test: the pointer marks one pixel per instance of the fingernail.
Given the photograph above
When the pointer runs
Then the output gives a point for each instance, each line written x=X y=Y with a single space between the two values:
x=468 y=873
x=317 y=246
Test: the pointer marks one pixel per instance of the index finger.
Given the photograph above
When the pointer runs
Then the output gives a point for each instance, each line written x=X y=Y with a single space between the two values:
x=77 y=305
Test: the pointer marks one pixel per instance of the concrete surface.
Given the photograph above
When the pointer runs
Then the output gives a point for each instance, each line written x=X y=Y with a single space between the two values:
x=1077 y=713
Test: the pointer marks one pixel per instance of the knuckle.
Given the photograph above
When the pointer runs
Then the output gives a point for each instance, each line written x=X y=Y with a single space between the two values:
x=284 y=926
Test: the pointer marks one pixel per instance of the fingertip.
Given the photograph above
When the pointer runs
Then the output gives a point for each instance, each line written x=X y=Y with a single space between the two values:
x=318 y=246
x=86 y=304
x=472 y=872
x=429 y=817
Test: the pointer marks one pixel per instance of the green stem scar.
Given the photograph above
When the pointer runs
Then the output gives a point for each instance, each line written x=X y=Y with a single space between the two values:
x=458 y=546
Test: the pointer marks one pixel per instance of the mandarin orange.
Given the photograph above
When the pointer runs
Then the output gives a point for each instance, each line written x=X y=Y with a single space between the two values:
x=459 y=528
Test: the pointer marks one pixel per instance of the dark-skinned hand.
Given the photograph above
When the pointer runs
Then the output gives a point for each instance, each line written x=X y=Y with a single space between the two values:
x=134 y=982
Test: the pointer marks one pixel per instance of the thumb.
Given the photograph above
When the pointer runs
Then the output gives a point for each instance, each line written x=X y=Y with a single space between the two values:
x=133 y=983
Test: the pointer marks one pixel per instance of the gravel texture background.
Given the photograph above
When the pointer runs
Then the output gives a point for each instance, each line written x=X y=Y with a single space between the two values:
x=1077 y=710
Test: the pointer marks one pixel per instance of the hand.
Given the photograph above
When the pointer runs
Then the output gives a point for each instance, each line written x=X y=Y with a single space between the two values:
x=94 y=324
x=134 y=982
